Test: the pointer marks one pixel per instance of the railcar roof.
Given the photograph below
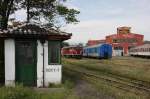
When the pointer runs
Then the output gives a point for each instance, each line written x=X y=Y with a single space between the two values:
x=142 y=46
x=95 y=45
x=73 y=47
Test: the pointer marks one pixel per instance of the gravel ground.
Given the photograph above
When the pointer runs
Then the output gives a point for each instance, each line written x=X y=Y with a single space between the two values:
x=85 y=90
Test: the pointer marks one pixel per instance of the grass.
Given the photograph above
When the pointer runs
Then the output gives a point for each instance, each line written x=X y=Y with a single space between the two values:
x=116 y=93
x=105 y=91
x=17 y=93
x=128 y=67
x=134 y=68
x=20 y=92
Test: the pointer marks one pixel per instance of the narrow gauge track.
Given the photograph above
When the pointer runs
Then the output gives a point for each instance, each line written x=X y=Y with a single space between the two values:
x=127 y=86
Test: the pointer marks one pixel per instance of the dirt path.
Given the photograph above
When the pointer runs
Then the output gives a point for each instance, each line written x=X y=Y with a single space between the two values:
x=85 y=90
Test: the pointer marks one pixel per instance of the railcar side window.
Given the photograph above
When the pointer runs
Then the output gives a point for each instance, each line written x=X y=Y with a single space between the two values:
x=90 y=50
x=95 y=50
x=54 y=52
x=147 y=49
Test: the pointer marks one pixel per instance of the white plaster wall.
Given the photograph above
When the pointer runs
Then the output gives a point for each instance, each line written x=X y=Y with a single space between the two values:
x=9 y=62
x=53 y=73
x=117 y=52
x=39 y=64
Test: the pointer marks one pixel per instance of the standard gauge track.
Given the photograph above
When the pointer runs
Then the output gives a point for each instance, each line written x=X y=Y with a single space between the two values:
x=134 y=81
x=118 y=83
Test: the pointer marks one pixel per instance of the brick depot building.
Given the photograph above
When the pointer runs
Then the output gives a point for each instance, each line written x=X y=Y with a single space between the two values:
x=124 y=40
x=94 y=42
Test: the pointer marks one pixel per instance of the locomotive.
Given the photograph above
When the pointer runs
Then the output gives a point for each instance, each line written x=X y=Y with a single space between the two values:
x=101 y=51
x=140 y=51
x=72 y=52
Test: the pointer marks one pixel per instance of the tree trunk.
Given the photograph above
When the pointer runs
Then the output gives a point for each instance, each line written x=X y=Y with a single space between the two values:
x=4 y=22
x=28 y=11
x=6 y=6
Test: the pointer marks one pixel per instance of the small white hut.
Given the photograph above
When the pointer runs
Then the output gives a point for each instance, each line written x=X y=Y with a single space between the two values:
x=30 y=54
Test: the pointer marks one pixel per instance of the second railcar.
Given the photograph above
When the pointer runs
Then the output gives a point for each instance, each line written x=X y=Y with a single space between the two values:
x=140 y=51
x=102 y=51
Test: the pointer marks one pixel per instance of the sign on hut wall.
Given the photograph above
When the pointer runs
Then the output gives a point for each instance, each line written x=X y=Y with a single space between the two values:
x=53 y=74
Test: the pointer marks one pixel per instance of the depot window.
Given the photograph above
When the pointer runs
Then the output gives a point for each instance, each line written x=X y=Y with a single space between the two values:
x=114 y=41
x=54 y=52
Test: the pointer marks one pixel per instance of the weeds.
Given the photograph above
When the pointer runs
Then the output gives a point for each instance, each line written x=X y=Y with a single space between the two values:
x=21 y=92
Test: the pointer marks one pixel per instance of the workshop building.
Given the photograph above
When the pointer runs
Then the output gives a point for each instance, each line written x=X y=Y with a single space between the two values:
x=124 y=40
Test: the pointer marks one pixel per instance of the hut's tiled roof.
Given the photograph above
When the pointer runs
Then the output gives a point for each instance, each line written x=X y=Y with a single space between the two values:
x=34 y=31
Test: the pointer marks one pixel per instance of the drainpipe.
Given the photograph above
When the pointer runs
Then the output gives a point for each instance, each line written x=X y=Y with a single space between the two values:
x=43 y=41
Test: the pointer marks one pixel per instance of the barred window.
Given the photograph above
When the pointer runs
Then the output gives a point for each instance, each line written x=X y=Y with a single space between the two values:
x=54 y=52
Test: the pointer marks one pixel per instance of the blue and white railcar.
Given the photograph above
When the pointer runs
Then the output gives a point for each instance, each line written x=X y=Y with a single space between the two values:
x=103 y=51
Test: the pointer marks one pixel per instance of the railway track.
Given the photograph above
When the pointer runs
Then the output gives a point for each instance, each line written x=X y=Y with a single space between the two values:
x=131 y=86
x=132 y=80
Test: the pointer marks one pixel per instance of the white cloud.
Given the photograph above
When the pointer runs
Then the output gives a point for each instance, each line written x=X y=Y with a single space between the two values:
x=70 y=5
x=20 y=15
x=98 y=29
x=101 y=18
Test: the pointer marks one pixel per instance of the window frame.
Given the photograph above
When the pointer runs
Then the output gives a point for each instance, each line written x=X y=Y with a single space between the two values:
x=59 y=53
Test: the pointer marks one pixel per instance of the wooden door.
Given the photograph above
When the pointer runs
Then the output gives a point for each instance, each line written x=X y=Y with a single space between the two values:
x=2 y=68
x=26 y=63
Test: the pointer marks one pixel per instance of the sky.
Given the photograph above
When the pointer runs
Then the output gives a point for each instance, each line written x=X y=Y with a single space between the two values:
x=99 y=18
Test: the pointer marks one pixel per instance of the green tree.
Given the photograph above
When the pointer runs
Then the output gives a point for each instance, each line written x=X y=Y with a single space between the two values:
x=53 y=12
x=64 y=44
